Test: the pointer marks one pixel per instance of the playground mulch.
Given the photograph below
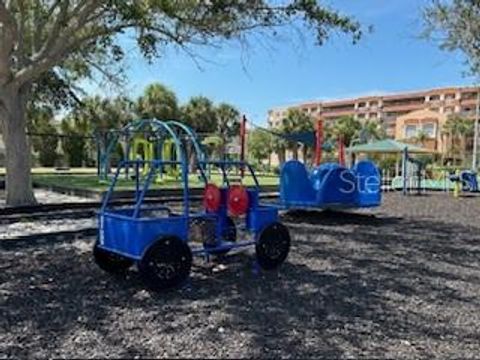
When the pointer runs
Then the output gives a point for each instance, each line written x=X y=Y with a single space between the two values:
x=399 y=281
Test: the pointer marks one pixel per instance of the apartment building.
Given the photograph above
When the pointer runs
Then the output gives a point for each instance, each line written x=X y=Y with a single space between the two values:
x=420 y=110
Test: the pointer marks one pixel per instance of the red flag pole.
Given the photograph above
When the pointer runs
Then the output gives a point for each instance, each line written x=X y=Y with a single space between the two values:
x=318 y=142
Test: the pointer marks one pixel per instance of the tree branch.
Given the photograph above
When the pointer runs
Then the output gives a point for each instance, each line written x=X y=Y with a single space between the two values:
x=8 y=32
x=61 y=19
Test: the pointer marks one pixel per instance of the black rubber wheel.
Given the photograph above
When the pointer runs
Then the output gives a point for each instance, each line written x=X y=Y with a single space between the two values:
x=229 y=234
x=166 y=264
x=272 y=246
x=111 y=262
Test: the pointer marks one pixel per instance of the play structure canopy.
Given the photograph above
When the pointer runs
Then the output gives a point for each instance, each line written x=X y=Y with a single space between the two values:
x=387 y=146
x=306 y=137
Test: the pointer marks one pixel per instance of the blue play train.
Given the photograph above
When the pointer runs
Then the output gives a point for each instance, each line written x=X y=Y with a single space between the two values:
x=330 y=186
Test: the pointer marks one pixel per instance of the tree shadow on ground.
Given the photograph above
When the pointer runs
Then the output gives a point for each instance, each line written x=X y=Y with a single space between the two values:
x=352 y=286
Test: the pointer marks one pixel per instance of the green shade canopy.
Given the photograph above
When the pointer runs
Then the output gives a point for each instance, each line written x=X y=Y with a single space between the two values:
x=387 y=146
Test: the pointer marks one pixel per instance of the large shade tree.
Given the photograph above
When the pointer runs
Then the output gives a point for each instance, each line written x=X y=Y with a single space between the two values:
x=455 y=24
x=70 y=39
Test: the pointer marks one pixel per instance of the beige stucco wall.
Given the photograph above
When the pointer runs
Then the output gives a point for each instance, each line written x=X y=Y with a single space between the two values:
x=419 y=119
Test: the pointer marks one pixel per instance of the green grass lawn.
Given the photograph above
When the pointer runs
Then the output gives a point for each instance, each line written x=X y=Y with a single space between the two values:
x=91 y=182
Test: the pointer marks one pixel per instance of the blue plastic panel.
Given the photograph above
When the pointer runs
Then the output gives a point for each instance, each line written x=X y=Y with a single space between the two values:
x=318 y=174
x=369 y=182
x=295 y=185
x=338 y=187
x=131 y=237
x=260 y=217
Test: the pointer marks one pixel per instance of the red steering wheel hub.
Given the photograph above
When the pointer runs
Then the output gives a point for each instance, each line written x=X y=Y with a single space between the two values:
x=237 y=200
x=212 y=198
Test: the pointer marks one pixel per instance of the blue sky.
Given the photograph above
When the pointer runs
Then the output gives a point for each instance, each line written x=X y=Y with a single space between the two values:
x=392 y=58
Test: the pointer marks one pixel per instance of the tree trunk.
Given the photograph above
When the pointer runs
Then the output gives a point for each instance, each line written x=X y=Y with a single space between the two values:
x=281 y=155
x=18 y=181
x=443 y=150
x=222 y=149
x=463 y=147
x=295 y=151
x=305 y=154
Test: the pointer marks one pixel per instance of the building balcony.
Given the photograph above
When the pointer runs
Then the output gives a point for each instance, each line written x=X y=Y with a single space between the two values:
x=337 y=112
x=469 y=102
x=403 y=107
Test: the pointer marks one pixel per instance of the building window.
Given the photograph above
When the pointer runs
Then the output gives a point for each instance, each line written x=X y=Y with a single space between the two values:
x=469 y=95
x=373 y=115
x=429 y=129
x=450 y=96
x=449 y=110
x=434 y=97
x=410 y=131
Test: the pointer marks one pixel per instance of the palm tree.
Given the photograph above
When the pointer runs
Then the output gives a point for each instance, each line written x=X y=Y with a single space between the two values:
x=100 y=115
x=158 y=102
x=199 y=112
x=421 y=138
x=465 y=130
x=459 y=129
x=228 y=124
x=347 y=128
x=449 y=129
x=371 y=130
x=279 y=145
x=297 y=121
